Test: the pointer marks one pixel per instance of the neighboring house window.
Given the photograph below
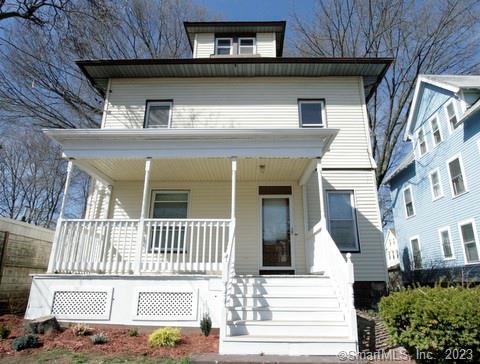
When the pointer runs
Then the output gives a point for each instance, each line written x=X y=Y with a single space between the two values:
x=446 y=243
x=469 y=240
x=452 y=116
x=422 y=142
x=158 y=114
x=312 y=113
x=436 y=133
x=223 y=46
x=416 y=253
x=457 y=176
x=408 y=199
x=436 y=185
x=246 y=45
x=166 y=237
x=342 y=221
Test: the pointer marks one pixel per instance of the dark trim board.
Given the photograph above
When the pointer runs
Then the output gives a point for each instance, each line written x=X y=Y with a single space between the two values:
x=272 y=272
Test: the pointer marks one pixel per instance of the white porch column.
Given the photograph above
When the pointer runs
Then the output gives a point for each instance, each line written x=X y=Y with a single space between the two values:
x=320 y=193
x=60 y=217
x=109 y=201
x=141 y=223
x=234 y=187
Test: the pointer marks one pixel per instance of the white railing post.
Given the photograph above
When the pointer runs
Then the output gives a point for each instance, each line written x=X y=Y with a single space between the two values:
x=55 y=244
x=350 y=301
x=141 y=223
x=320 y=192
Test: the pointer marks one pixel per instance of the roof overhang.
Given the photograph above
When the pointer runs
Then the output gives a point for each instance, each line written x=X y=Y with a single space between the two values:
x=193 y=143
x=371 y=70
x=277 y=27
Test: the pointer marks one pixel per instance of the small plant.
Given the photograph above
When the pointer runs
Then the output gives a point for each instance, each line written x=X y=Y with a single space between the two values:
x=206 y=324
x=99 y=339
x=132 y=332
x=167 y=336
x=25 y=342
x=81 y=330
x=4 y=331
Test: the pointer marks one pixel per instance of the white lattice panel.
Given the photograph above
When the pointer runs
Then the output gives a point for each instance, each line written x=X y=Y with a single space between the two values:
x=167 y=304
x=85 y=304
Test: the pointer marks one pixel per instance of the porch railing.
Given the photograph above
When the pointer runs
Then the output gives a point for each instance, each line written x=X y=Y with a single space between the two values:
x=166 y=245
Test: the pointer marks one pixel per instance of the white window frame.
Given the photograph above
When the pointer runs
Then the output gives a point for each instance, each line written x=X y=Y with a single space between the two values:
x=430 y=121
x=409 y=187
x=464 y=176
x=448 y=230
x=445 y=107
x=416 y=237
x=150 y=103
x=430 y=175
x=419 y=148
x=254 y=45
x=223 y=38
x=312 y=101
x=474 y=227
x=354 y=214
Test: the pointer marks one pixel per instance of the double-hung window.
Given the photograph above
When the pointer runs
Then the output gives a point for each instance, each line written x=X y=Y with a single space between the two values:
x=168 y=237
x=422 y=142
x=342 y=221
x=312 y=113
x=457 y=176
x=223 y=46
x=452 y=116
x=416 y=252
x=436 y=133
x=158 y=114
x=436 y=184
x=246 y=45
x=408 y=200
x=470 y=241
x=446 y=243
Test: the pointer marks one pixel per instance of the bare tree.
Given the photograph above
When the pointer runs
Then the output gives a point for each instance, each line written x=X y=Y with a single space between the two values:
x=38 y=12
x=432 y=36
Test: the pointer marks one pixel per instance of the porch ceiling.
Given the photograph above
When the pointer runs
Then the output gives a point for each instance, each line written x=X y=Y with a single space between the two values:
x=199 y=169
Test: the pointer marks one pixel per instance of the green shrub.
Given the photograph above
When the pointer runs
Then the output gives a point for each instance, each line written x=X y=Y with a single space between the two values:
x=4 y=331
x=167 y=336
x=132 y=332
x=434 y=320
x=81 y=330
x=25 y=342
x=206 y=325
x=99 y=339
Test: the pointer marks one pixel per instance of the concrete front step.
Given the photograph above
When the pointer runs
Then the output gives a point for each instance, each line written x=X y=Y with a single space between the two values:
x=277 y=289
x=292 y=328
x=285 y=313
x=286 y=281
x=291 y=300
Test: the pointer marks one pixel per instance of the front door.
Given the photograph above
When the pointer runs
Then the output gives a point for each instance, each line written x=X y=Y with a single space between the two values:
x=276 y=232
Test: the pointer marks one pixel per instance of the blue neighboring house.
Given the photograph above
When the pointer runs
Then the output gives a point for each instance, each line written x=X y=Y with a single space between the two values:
x=435 y=191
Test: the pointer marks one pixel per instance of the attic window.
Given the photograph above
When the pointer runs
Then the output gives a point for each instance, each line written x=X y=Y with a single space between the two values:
x=158 y=114
x=246 y=45
x=312 y=113
x=223 y=46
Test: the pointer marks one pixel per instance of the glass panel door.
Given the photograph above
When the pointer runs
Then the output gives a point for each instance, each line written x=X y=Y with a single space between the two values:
x=276 y=250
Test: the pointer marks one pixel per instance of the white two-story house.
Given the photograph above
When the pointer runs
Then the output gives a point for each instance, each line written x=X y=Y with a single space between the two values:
x=237 y=184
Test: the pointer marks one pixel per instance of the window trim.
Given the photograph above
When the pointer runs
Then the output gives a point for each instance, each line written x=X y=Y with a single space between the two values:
x=312 y=101
x=419 y=150
x=464 y=176
x=475 y=235
x=149 y=103
x=409 y=187
x=254 y=45
x=354 y=214
x=430 y=121
x=449 y=231
x=416 y=237
x=445 y=107
x=223 y=38
x=430 y=175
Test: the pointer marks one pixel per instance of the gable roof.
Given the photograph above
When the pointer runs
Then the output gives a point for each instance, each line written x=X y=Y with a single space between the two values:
x=453 y=83
x=278 y=27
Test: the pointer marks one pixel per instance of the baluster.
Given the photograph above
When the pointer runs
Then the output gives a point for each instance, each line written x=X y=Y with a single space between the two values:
x=190 y=250
x=171 y=250
x=177 y=251
x=88 y=260
x=104 y=228
x=157 y=229
x=224 y=232
x=204 y=245
x=59 y=262
x=184 y=245
x=109 y=237
x=165 y=247
x=217 y=227
x=210 y=226
x=73 y=250
x=197 y=250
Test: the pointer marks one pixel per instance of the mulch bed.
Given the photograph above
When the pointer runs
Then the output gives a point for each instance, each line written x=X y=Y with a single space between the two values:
x=119 y=342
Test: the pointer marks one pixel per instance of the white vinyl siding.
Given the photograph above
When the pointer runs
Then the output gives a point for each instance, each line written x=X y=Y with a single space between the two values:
x=469 y=238
x=408 y=202
x=204 y=45
x=250 y=103
x=436 y=184
x=456 y=172
x=266 y=45
x=446 y=243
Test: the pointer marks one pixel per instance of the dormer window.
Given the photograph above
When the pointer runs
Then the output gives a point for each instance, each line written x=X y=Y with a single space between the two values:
x=246 y=45
x=223 y=46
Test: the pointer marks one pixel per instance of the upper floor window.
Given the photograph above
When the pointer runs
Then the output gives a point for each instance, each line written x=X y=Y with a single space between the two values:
x=223 y=46
x=470 y=241
x=312 y=113
x=158 y=114
x=457 y=179
x=416 y=252
x=436 y=133
x=422 y=142
x=246 y=45
x=452 y=115
x=408 y=199
x=436 y=185
x=446 y=243
x=342 y=221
